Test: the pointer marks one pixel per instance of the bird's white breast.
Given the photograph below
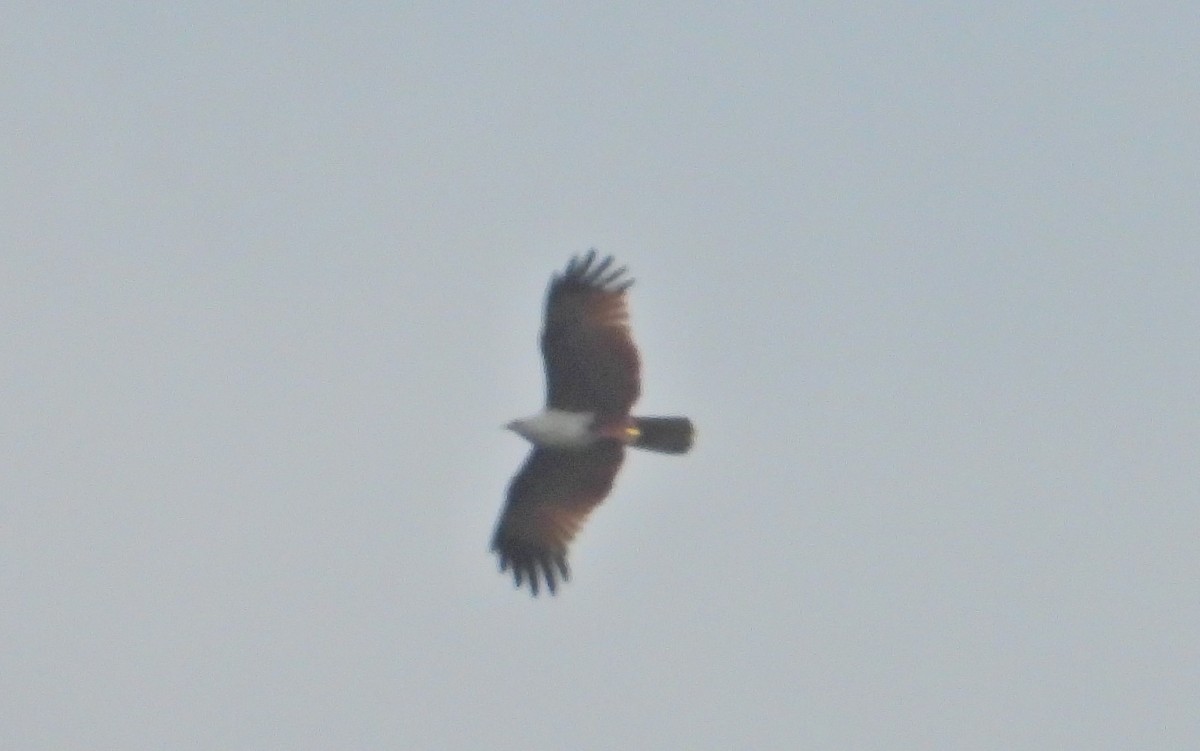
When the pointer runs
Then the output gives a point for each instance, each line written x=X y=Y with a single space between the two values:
x=556 y=428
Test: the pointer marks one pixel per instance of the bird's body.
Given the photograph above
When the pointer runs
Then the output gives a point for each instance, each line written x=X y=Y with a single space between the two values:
x=592 y=382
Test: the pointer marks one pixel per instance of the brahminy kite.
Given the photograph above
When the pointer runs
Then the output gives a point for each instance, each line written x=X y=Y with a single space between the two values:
x=579 y=440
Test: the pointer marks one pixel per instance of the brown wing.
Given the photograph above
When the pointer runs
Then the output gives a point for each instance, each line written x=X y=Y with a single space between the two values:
x=591 y=360
x=548 y=501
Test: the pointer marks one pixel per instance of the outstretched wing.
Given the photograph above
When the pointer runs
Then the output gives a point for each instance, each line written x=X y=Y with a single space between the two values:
x=591 y=360
x=548 y=501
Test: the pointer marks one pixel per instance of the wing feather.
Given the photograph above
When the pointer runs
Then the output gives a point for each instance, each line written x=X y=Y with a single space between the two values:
x=548 y=501
x=592 y=364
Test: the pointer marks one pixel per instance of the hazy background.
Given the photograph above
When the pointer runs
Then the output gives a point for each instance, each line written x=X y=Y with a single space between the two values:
x=925 y=278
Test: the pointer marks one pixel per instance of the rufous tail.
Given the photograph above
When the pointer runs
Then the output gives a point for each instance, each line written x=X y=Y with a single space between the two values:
x=667 y=435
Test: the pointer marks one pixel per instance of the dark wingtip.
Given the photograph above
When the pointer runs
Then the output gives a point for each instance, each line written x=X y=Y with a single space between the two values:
x=532 y=567
x=579 y=265
x=581 y=269
x=595 y=273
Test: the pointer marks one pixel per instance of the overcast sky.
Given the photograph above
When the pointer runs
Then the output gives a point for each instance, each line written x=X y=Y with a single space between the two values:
x=926 y=278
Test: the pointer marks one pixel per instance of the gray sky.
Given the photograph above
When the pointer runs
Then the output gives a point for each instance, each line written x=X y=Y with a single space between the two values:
x=925 y=278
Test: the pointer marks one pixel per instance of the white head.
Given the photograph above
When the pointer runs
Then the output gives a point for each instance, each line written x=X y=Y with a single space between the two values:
x=518 y=427
x=555 y=428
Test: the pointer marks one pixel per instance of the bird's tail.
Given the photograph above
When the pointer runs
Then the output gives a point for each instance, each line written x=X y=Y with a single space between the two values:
x=667 y=435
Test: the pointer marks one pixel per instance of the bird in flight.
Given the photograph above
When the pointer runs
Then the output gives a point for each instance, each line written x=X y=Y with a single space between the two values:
x=592 y=381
